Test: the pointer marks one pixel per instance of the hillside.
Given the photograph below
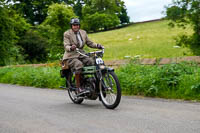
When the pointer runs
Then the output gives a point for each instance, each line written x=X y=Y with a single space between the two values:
x=148 y=40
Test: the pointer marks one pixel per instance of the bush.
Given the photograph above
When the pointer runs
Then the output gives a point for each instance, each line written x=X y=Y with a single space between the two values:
x=180 y=81
x=34 y=47
x=168 y=81
x=44 y=77
x=12 y=27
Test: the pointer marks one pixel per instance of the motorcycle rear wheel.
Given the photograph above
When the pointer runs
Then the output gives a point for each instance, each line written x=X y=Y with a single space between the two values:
x=72 y=95
x=110 y=91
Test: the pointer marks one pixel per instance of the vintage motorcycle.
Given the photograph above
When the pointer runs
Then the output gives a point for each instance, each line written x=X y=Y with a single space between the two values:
x=99 y=81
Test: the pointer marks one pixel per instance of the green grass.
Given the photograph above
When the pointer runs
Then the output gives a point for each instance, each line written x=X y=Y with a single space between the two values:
x=44 y=77
x=150 y=40
x=177 y=81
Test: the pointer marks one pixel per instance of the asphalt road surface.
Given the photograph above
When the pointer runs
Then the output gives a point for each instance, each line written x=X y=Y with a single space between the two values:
x=36 y=110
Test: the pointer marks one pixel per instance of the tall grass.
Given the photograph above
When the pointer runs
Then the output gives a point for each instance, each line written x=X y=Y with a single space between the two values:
x=180 y=81
x=150 y=40
x=44 y=77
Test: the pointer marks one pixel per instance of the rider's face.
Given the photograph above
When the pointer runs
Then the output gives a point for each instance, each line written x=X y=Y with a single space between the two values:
x=75 y=27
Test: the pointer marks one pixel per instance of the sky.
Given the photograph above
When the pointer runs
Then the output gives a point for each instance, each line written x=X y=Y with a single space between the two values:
x=144 y=10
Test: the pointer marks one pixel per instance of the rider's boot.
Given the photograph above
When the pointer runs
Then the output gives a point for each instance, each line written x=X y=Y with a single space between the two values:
x=78 y=83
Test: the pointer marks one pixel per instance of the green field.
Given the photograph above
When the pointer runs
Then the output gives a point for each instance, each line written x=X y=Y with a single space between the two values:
x=149 y=40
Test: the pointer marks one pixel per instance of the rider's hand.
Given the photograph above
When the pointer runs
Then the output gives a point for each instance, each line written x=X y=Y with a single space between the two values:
x=73 y=47
x=99 y=46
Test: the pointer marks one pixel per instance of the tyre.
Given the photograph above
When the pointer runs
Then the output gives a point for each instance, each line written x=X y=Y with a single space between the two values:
x=72 y=91
x=73 y=97
x=110 y=91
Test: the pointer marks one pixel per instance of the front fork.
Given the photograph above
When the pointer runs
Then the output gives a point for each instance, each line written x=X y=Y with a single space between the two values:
x=105 y=73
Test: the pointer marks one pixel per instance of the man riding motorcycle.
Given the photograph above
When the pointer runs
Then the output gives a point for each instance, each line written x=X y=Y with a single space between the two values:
x=77 y=38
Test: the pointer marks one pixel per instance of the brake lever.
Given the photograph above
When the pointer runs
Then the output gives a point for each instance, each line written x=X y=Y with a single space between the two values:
x=103 y=50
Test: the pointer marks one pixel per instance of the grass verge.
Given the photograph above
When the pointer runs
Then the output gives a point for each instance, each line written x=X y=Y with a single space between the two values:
x=177 y=81
x=44 y=77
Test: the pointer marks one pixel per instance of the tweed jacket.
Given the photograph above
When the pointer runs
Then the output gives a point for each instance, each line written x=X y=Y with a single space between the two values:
x=71 y=39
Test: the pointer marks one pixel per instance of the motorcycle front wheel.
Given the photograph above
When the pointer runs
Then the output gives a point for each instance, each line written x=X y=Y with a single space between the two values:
x=110 y=91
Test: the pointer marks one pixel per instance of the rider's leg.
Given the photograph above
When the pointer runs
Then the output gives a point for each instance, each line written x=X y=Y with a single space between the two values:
x=78 y=80
x=87 y=61
x=76 y=65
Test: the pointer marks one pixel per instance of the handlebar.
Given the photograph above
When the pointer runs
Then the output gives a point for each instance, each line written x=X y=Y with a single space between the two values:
x=90 y=53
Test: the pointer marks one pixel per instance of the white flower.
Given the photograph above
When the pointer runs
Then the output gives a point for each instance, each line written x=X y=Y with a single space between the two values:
x=127 y=56
x=137 y=56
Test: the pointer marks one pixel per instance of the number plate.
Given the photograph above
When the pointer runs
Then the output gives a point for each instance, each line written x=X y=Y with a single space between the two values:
x=99 y=61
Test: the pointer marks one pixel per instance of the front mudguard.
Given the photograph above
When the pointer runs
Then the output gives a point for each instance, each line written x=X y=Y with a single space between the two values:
x=110 y=69
x=107 y=69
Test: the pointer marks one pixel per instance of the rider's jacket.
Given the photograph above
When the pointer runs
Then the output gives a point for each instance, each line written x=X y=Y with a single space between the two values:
x=70 y=38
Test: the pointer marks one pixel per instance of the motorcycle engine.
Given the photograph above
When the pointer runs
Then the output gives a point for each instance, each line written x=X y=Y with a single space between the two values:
x=90 y=85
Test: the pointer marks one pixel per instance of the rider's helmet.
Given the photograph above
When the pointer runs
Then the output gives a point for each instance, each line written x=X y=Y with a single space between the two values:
x=75 y=21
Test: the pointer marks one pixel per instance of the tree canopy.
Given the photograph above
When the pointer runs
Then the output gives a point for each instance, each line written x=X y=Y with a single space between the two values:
x=12 y=27
x=35 y=11
x=183 y=12
x=56 y=23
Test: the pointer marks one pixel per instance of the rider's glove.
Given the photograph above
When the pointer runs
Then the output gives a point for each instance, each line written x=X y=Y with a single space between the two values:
x=99 y=46
x=73 y=47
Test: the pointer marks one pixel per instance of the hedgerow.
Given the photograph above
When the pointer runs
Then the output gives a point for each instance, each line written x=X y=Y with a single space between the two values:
x=179 y=81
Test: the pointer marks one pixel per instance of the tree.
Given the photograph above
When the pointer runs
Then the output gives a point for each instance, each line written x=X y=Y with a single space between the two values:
x=101 y=14
x=109 y=6
x=55 y=24
x=77 y=6
x=12 y=27
x=123 y=16
x=183 y=12
x=34 y=47
x=100 y=21
x=35 y=11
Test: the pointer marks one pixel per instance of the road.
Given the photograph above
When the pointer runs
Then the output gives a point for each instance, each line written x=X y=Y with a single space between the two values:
x=36 y=110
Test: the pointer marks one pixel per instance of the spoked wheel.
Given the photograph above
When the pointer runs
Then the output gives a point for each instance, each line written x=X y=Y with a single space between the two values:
x=72 y=94
x=110 y=90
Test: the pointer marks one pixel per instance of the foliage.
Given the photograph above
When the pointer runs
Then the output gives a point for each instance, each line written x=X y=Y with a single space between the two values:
x=34 y=47
x=44 y=77
x=99 y=21
x=35 y=11
x=12 y=27
x=77 y=6
x=95 y=12
x=109 y=6
x=168 y=81
x=183 y=12
x=57 y=21
x=123 y=15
